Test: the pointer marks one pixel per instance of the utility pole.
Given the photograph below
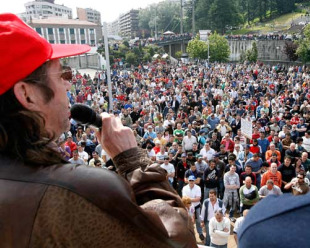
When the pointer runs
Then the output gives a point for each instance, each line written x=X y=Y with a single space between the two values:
x=155 y=23
x=193 y=16
x=181 y=28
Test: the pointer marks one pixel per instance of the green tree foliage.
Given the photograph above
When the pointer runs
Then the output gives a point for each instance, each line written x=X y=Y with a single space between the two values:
x=131 y=58
x=253 y=53
x=219 y=48
x=197 y=49
x=290 y=49
x=223 y=13
x=250 y=55
x=303 y=50
x=166 y=14
x=217 y=14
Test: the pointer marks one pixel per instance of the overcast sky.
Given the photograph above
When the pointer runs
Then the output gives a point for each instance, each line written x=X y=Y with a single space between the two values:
x=109 y=9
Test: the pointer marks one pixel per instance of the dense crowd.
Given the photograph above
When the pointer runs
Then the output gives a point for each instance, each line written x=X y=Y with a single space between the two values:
x=187 y=118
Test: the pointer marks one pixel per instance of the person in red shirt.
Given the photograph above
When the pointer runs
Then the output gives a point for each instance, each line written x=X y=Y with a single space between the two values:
x=72 y=145
x=229 y=143
x=295 y=119
x=255 y=148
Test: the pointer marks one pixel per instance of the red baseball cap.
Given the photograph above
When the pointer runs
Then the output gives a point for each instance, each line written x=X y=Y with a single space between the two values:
x=23 y=50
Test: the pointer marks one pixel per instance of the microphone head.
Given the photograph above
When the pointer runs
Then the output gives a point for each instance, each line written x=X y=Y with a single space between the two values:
x=83 y=114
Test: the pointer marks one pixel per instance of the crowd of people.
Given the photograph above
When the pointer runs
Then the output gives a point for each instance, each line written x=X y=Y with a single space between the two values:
x=187 y=118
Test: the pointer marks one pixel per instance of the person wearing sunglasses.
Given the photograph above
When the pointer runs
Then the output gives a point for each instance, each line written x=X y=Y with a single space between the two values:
x=46 y=201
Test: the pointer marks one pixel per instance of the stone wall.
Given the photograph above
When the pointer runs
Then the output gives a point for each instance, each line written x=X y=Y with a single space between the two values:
x=268 y=50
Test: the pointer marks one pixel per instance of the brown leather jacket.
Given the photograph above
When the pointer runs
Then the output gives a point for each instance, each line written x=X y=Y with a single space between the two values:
x=78 y=206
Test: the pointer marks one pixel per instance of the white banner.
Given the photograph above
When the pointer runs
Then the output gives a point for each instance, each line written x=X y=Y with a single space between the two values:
x=246 y=128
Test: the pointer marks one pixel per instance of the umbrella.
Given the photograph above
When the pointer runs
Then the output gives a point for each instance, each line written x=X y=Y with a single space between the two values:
x=168 y=33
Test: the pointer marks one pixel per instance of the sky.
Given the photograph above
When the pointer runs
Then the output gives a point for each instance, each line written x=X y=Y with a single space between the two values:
x=109 y=9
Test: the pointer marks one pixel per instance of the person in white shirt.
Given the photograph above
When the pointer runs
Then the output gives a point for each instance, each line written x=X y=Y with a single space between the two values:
x=150 y=152
x=238 y=224
x=188 y=141
x=169 y=168
x=209 y=206
x=207 y=152
x=306 y=141
x=219 y=229
x=193 y=191
x=82 y=154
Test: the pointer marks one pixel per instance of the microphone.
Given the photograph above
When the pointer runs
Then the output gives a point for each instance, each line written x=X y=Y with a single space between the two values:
x=84 y=115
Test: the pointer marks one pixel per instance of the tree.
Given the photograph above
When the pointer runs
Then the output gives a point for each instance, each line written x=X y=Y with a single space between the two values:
x=219 y=48
x=131 y=58
x=290 y=49
x=249 y=55
x=303 y=50
x=197 y=49
x=223 y=13
x=252 y=53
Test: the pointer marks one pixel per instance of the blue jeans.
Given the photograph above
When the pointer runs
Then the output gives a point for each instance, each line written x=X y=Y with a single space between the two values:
x=180 y=187
x=258 y=179
x=218 y=246
x=221 y=189
x=207 y=243
x=197 y=219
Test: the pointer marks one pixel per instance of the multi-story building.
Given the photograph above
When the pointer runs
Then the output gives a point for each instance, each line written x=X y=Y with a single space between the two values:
x=67 y=31
x=113 y=27
x=44 y=9
x=88 y=14
x=129 y=24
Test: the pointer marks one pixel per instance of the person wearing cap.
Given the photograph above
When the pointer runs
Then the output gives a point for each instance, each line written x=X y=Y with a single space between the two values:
x=149 y=135
x=201 y=165
x=193 y=191
x=34 y=110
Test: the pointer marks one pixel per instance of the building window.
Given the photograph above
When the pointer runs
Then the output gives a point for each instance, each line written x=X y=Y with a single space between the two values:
x=92 y=42
x=50 y=31
x=72 y=41
x=61 y=30
x=71 y=30
x=82 y=41
x=62 y=41
x=52 y=41
x=82 y=31
x=91 y=31
x=39 y=31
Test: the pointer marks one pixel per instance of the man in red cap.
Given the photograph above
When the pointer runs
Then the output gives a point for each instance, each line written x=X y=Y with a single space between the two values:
x=46 y=202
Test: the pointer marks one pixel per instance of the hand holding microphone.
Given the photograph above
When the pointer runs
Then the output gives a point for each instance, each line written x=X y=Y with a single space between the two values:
x=112 y=135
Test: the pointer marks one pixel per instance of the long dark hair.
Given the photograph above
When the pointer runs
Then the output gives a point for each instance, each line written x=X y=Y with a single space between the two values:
x=22 y=132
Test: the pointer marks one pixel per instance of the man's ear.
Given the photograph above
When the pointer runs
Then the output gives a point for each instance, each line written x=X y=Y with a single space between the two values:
x=27 y=95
